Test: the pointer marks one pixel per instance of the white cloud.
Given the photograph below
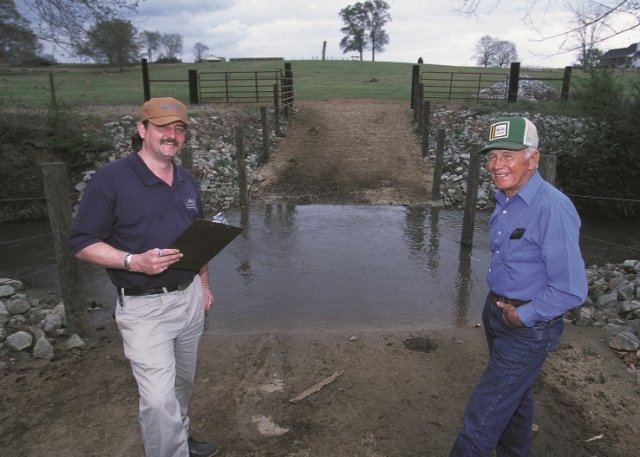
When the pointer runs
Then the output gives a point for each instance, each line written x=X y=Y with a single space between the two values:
x=296 y=29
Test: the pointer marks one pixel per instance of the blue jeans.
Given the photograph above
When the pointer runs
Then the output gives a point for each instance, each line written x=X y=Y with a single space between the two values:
x=499 y=414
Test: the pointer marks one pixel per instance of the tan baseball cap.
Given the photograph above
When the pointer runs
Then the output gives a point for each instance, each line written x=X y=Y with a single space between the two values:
x=163 y=111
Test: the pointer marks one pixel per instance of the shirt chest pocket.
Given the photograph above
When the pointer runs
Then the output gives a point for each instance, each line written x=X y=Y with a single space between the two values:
x=520 y=248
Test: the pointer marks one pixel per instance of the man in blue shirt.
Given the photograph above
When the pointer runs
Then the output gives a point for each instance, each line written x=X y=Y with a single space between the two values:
x=130 y=213
x=536 y=274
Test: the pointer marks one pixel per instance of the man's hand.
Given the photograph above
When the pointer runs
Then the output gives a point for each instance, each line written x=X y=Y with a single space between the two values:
x=510 y=315
x=154 y=261
x=208 y=299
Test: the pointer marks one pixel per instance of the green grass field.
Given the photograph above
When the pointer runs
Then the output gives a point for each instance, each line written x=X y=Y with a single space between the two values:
x=81 y=85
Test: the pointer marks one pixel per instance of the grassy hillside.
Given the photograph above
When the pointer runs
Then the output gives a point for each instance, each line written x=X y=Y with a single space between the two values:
x=313 y=80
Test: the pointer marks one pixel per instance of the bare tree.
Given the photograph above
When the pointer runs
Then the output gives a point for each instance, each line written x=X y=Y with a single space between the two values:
x=492 y=52
x=505 y=53
x=150 y=42
x=171 y=45
x=485 y=50
x=66 y=22
x=588 y=33
x=198 y=51
x=608 y=10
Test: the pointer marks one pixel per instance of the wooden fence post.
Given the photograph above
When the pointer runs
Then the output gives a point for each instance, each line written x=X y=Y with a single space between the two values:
x=437 y=166
x=276 y=110
x=242 y=168
x=471 y=197
x=56 y=188
x=514 y=82
x=146 y=86
x=287 y=85
x=566 y=83
x=194 y=97
x=265 y=134
x=426 y=127
x=547 y=167
x=418 y=112
x=52 y=87
x=186 y=158
x=415 y=79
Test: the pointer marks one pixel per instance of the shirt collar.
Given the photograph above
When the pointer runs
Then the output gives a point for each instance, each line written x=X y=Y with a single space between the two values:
x=528 y=191
x=146 y=175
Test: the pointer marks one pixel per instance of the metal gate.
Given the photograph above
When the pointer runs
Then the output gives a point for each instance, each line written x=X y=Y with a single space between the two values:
x=446 y=85
x=238 y=86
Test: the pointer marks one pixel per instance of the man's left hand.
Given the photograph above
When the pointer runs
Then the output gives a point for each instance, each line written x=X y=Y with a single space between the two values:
x=510 y=314
x=208 y=298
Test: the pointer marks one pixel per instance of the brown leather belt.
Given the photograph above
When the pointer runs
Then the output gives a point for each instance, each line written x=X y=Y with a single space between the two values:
x=510 y=301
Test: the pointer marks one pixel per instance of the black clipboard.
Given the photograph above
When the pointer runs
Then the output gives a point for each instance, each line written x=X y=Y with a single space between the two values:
x=201 y=242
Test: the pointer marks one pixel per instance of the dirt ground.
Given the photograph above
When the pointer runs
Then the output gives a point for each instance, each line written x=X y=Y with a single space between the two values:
x=391 y=394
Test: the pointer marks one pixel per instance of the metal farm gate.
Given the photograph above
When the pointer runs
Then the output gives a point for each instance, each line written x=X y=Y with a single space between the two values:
x=239 y=86
x=446 y=85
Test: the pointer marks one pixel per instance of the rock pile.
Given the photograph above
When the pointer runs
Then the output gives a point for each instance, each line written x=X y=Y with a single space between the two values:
x=614 y=304
x=527 y=90
x=212 y=143
x=31 y=328
x=465 y=128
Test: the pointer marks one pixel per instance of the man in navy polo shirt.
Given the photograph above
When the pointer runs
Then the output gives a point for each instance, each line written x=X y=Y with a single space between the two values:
x=131 y=211
x=535 y=275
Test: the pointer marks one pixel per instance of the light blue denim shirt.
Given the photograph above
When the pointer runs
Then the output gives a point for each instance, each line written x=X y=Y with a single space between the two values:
x=535 y=251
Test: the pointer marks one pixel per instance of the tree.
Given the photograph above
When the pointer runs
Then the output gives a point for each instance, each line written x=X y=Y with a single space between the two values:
x=609 y=9
x=150 y=41
x=378 y=16
x=17 y=42
x=198 y=51
x=505 y=53
x=113 y=42
x=66 y=22
x=492 y=52
x=363 y=28
x=589 y=59
x=588 y=33
x=355 y=20
x=171 y=46
x=485 y=50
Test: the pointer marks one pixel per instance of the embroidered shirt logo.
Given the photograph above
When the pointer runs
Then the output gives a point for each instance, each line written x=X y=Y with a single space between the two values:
x=191 y=204
x=499 y=130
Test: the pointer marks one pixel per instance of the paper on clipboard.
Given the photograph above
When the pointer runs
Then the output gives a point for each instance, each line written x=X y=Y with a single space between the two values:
x=202 y=241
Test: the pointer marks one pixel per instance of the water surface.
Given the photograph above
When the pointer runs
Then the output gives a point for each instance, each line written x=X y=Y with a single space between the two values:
x=303 y=267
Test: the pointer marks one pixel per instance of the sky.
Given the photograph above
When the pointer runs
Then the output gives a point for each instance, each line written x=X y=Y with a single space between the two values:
x=431 y=29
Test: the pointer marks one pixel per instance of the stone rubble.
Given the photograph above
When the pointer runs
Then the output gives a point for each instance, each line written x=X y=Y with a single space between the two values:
x=31 y=328
x=465 y=128
x=212 y=143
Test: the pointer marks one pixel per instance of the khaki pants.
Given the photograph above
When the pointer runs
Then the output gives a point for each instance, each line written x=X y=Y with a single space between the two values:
x=161 y=335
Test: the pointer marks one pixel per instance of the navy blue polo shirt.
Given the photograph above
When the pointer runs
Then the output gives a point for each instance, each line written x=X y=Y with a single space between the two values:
x=128 y=207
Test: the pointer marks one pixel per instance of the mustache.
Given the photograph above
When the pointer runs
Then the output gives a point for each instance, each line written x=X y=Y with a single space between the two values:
x=169 y=141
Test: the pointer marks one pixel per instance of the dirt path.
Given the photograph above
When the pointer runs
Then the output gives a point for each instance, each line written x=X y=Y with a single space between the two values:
x=348 y=151
x=400 y=394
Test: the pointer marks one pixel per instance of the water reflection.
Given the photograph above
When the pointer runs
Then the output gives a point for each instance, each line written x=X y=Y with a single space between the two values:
x=296 y=268
x=322 y=266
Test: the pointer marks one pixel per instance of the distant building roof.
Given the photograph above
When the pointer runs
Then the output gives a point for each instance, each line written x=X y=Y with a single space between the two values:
x=628 y=57
x=629 y=51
